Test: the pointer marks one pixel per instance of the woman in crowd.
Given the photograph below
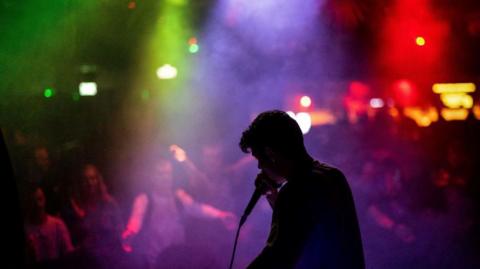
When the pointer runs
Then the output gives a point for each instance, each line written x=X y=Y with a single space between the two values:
x=47 y=236
x=96 y=217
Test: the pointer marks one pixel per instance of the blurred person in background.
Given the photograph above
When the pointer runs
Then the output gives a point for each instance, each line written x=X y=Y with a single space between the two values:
x=155 y=221
x=95 y=217
x=389 y=220
x=48 y=238
x=42 y=172
x=156 y=224
x=205 y=195
x=209 y=179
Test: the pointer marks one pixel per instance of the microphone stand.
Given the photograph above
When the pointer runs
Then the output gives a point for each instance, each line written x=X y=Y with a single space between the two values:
x=249 y=208
x=242 y=220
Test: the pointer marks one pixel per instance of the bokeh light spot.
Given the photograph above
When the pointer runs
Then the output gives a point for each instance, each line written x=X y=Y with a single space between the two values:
x=167 y=71
x=193 y=48
x=420 y=41
x=305 y=101
x=48 y=92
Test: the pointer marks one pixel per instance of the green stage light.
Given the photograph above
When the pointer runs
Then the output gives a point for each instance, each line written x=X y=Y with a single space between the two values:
x=194 y=48
x=48 y=92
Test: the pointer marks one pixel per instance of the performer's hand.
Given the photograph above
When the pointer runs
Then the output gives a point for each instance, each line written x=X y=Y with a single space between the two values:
x=268 y=187
x=178 y=153
x=265 y=184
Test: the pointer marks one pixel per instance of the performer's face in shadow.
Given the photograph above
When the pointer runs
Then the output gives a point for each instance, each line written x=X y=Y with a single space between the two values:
x=269 y=164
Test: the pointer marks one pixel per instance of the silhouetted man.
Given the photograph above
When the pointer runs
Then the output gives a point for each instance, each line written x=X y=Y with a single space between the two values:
x=314 y=223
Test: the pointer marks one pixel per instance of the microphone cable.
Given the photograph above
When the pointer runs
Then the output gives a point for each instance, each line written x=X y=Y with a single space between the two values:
x=242 y=220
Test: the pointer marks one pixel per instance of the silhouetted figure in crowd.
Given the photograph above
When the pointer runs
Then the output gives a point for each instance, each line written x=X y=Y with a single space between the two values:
x=163 y=214
x=48 y=238
x=42 y=172
x=314 y=223
x=95 y=217
x=155 y=221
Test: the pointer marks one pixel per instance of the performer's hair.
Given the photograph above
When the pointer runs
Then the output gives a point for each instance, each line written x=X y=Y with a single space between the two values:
x=274 y=129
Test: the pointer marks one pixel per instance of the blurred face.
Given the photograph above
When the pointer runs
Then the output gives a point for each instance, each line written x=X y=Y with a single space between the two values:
x=41 y=158
x=163 y=175
x=39 y=199
x=91 y=178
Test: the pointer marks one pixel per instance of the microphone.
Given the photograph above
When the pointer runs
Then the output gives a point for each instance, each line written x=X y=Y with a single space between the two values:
x=253 y=201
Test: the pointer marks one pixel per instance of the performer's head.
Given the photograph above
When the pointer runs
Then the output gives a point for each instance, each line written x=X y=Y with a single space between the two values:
x=276 y=140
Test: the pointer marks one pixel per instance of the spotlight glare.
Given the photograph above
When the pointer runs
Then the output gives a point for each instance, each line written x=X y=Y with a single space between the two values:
x=48 y=92
x=88 y=89
x=194 y=48
x=291 y=114
x=305 y=101
x=420 y=41
x=377 y=103
x=304 y=121
x=167 y=71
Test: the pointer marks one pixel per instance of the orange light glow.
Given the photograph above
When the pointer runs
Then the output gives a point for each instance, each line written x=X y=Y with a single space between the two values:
x=454 y=114
x=420 y=41
x=305 y=101
x=393 y=112
x=192 y=41
x=423 y=117
x=457 y=100
x=476 y=111
x=322 y=117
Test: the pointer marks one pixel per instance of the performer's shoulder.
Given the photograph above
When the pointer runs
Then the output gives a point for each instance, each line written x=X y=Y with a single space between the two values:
x=321 y=169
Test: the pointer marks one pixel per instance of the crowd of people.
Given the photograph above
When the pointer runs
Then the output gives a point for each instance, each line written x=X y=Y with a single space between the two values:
x=416 y=192
x=416 y=188
x=73 y=220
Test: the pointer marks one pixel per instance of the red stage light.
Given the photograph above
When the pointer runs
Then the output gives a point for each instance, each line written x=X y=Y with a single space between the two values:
x=404 y=92
x=358 y=89
x=132 y=5
x=192 y=41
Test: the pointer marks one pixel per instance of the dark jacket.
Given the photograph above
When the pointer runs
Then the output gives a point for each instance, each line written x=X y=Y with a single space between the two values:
x=314 y=223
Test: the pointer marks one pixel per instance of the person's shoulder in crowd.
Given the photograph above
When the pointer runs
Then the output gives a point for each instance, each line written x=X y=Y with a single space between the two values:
x=54 y=220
